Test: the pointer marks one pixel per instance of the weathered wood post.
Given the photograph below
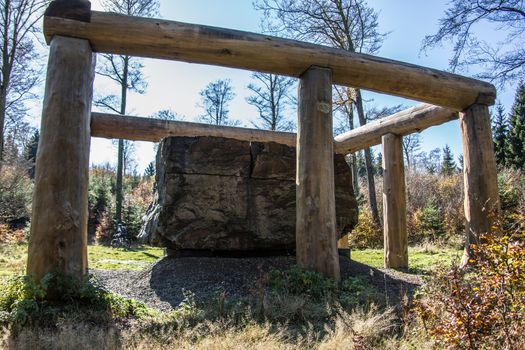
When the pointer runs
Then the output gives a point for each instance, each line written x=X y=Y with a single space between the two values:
x=58 y=241
x=394 y=203
x=480 y=177
x=316 y=239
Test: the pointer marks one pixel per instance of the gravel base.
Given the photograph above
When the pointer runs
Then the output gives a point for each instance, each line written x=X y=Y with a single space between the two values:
x=161 y=285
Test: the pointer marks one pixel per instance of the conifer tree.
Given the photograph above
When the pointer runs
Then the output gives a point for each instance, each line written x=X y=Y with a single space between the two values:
x=448 y=165
x=30 y=152
x=499 y=134
x=515 y=156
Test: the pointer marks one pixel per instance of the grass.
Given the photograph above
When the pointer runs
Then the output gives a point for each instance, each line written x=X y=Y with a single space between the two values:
x=136 y=258
x=422 y=260
x=13 y=257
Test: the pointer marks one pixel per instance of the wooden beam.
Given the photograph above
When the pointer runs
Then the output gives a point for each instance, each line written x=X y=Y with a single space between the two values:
x=394 y=203
x=480 y=176
x=114 y=126
x=156 y=38
x=58 y=240
x=316 y=240
x=406 y=122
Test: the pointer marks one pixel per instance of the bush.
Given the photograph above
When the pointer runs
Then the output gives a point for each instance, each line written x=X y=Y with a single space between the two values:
x=16 y=190
x=22 y=299
x=482 y=307
x=314 y=286
x=367 y=234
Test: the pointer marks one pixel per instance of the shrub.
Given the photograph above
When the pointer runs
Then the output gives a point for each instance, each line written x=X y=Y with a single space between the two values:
x=314 y=286
x=482 y=306
x=22 y=299
x=367 y=234
x=16 y=191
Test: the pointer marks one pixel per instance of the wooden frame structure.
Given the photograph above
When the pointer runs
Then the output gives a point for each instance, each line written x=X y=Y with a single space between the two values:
x=74 y=32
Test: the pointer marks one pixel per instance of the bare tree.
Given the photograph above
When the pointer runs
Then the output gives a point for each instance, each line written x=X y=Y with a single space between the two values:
x=411 y=145
x=502 y=62
x=126 y=72
x=215 y=98
x=347 y=24
x=18 y=74
x=271 y=96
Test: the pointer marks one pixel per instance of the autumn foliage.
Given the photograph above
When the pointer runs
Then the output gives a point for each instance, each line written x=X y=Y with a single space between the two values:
x=483 y=306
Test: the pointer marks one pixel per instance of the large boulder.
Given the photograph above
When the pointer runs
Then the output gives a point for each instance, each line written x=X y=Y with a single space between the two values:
x=226 y=195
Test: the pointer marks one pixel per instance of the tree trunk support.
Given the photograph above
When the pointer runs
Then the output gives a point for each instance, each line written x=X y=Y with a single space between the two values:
x=58 y=241
x=394 y=203
x=480 y=177
x=316 y=223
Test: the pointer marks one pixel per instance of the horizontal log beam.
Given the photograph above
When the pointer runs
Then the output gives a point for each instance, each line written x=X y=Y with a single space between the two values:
x=156 y=38
x=114 y=126
x=406 y=122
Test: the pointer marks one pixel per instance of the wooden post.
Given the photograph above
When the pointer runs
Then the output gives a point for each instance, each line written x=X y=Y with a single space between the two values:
x=394 y=203
x=480 y=177
x=316 y=224
x=58 y=241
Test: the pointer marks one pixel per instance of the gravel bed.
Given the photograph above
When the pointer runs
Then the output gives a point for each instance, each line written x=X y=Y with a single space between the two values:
x=161 y=284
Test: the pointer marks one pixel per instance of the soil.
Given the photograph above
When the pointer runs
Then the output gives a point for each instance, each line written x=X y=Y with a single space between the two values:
x=162 y=284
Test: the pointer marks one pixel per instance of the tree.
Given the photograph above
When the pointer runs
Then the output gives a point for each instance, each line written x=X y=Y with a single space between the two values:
x=448 y=165
x=516 y=135
x=431 y=161
x=499 y=134
x=346 y=24
x=18 y=74
x=411 y=145
x=150 y=170
x=126 y=72
x=271 y=95
x=215 y=98
x=166 y=114
x=379 y=164
x=503 y=62
x=30 y=151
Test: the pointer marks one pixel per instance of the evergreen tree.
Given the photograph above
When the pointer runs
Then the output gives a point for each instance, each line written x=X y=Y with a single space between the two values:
x=448 y=165
x=515 y=156
x=499 y=134
x=379 y=164
x=30 y=153
x=150 y=170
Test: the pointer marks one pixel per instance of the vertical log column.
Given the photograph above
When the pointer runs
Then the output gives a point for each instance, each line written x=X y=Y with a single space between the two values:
x=58 y=241
x=394 y=203
x=480 y=177
x=316 y=224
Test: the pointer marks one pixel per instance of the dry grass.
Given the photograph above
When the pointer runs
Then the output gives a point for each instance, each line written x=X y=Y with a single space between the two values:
x=356 y=330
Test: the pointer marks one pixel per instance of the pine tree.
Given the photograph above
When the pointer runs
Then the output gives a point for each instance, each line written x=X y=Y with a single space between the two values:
x=499 y=134
x=515 y=156
x=30 y=152
x=379 y=164
x=150 y=170
x=448 y=165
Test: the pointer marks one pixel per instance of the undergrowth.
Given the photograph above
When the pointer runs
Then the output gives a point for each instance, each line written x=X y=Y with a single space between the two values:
x=24 y=301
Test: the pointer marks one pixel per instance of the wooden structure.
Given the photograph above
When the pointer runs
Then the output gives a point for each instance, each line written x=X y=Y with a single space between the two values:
x=58 y=230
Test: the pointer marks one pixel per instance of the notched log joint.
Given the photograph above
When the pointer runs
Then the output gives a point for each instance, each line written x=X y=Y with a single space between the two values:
x=78 y=10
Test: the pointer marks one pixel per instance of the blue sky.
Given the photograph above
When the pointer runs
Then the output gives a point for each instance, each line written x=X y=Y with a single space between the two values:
x=176 y=85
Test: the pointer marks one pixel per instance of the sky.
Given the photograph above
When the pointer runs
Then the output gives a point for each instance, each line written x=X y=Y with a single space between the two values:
x=176 y=85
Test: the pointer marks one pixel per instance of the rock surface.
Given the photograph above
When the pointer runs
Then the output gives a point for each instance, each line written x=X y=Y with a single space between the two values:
x=226 y=195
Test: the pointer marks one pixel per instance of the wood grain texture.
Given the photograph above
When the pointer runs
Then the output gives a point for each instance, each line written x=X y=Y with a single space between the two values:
x=316 y=240
x=58 y=241
x=394 y=203
x=114 y=126
x=406 y=122
x=156 y=38
x=480 y=176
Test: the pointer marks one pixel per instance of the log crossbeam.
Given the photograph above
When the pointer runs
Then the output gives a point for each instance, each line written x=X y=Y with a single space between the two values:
x=158 y=38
